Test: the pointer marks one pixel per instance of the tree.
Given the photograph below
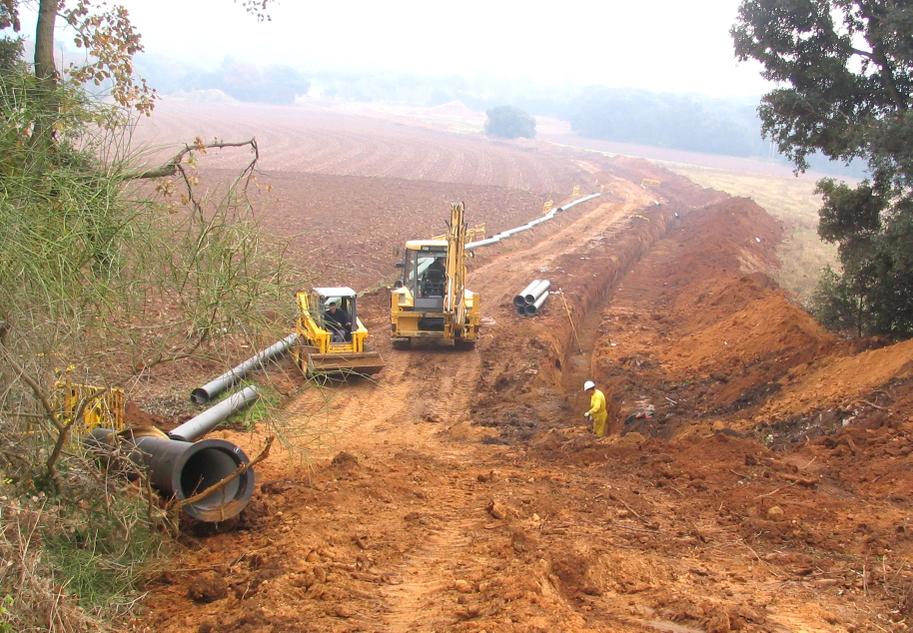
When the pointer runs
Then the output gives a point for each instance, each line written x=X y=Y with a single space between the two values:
x=509 y=122
x=845 y=75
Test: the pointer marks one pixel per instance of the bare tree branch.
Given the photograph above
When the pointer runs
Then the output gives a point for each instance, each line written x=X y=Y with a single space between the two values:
x=173 y=166
x=40 y=395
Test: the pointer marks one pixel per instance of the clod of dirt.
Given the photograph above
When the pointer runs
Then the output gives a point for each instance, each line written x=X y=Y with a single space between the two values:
x=275 y=487
x=497 y=509
x=433 y=418
x=344 y=460
x=343 y=611
x=775 y=513
x=208 y=587
x=489 y=477
x=463 y=586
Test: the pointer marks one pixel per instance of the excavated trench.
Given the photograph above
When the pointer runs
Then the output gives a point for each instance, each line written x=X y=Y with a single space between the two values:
x=548 y=358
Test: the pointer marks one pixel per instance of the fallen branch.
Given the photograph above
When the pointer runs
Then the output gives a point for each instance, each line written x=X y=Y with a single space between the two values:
x=179 y=504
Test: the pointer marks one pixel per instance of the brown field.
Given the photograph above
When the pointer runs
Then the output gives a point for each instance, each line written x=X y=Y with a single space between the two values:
x=756 y=478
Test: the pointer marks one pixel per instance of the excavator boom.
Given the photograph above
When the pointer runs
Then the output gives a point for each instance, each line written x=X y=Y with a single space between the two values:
x=454 y=306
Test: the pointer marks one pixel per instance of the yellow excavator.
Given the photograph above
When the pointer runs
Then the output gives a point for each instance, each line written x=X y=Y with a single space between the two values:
x=331 y=337
x=430 y=301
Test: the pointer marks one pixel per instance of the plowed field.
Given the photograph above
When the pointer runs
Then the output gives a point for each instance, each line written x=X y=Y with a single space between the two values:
x=757 y=477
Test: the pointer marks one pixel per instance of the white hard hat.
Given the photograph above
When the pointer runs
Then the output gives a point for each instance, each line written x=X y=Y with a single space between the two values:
x=589 y=384
x=334 y=301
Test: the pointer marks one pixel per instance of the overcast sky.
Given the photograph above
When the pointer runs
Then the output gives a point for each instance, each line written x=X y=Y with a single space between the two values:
x=661 y=45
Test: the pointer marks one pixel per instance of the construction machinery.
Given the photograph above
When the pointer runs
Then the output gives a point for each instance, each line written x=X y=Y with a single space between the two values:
x=430 y=300
x=331 y=337
x=95 y=406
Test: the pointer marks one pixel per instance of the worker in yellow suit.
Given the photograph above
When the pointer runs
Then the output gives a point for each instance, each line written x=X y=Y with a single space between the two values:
x=598 y=413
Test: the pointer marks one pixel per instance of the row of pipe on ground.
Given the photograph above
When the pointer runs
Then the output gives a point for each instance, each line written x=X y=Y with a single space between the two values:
x=533 y=297
x=533 y=223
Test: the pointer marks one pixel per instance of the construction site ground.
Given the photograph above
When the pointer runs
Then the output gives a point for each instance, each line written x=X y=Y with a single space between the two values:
x=757 y=476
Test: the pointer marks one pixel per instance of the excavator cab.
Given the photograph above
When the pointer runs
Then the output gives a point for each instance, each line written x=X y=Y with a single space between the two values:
x=430 y=300
x=331 y=337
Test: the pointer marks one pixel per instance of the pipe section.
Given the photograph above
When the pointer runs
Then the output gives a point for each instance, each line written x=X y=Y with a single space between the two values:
x=520 y=299
x=198 y=426
x=229 y=378
x=530 y=297
x=179 y=470
x=535 y=307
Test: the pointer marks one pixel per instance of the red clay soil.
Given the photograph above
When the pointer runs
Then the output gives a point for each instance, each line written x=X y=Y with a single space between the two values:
x=461 y=491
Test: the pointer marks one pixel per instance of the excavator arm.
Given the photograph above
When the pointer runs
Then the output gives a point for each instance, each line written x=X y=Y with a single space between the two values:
x=454 y=304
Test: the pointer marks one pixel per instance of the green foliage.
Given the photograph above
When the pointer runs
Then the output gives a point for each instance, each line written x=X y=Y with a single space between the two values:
x=509 y=122
x=88 y=550
x=10 y=54
x=113 y=277
x=846 y=68
x=5 y=605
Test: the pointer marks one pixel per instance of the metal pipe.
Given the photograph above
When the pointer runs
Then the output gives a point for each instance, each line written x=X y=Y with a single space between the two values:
x=535 y=307
x=520 y=299
x=198 y=426
x=537 y=290
x=485 y=242
x=179 y=470
x=229 y=378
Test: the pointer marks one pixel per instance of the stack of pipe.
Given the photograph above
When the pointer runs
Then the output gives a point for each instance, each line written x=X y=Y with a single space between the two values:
x=533 y=297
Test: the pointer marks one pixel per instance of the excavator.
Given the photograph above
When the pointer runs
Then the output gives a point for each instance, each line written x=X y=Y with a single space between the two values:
x=430 y=301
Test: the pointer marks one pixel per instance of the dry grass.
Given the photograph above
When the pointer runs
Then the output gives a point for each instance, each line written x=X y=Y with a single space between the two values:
x=792 y=201
x=33 y=598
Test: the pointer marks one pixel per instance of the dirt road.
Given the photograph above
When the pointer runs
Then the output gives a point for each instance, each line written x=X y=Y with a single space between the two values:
x=462 y=492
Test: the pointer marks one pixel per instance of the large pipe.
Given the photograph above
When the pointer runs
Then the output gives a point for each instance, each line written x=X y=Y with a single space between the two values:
x=520 y=299
x=198 y=426
x=179 y=470
x=229 y=378
x=536 y=291
x=535 y=307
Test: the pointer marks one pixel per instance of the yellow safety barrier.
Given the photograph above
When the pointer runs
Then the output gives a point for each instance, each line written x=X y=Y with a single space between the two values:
x=105 y=410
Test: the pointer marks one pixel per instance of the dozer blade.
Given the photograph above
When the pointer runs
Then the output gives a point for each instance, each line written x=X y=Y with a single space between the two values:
x=363 y=363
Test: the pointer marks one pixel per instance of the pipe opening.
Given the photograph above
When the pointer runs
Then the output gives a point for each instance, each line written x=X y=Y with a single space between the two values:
x=207 y=466
x=199 y=396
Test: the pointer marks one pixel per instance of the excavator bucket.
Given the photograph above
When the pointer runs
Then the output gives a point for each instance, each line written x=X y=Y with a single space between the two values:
x=366 y=363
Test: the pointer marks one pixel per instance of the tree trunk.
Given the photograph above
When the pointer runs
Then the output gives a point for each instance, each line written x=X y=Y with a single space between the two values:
x=45 y=68
x=46 y=72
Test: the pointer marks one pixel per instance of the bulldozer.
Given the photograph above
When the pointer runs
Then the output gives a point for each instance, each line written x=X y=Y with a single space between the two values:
x=430 y=301
x=331 y=337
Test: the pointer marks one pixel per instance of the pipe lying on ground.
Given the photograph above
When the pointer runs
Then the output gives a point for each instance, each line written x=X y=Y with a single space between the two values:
x=535 y=307
x=179 y=470
x=229 y=378
x=533 y=294
x=520 y=299
x=505 y=234
x=198 y=426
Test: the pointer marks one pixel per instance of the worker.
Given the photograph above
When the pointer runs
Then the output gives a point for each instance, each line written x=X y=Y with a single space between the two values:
x=597 y=414
x=338 y=321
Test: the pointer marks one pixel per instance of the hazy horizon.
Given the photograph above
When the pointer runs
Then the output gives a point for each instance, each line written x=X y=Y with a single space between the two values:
x=655 y=45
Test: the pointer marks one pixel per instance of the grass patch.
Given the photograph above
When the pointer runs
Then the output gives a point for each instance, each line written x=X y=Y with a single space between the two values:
x=102 y=553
